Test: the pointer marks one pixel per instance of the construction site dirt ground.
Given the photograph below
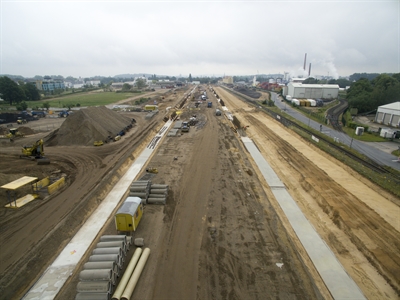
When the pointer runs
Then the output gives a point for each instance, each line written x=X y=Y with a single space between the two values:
x=221 y=233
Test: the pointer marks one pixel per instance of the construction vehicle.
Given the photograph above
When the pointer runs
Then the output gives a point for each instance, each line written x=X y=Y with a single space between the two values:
x=21 y=121
x=35 y=152
x=209 y=104
x=38 y=114
x=98 y=143
x=152 y=170
x=63 y=114
x=185 y=127
x=13 y=134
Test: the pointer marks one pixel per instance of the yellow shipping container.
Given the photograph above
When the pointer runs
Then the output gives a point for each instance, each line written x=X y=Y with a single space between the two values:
x=151 y=107
x=129 y=214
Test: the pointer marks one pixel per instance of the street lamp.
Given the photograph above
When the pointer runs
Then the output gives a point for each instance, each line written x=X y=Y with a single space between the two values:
x=351 y=142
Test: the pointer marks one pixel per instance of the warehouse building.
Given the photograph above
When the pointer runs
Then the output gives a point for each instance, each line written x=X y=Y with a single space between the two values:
x=389 y=114
x=312 y=91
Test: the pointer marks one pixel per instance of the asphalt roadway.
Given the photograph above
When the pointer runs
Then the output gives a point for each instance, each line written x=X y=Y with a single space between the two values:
x=374 y=151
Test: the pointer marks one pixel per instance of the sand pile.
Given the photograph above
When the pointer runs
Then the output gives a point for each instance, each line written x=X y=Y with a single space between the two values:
x=22 y=129
x=87 y=125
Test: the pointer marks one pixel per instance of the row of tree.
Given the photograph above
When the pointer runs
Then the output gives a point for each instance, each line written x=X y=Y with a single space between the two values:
x=366 y=95
x=16 y=93
x=341 y=82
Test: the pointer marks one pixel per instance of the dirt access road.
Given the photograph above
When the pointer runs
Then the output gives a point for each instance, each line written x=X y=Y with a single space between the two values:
x=359 y=221
x=217 y=237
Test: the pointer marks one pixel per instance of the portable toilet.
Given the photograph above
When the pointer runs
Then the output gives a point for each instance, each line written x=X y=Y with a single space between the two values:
x=129 y=214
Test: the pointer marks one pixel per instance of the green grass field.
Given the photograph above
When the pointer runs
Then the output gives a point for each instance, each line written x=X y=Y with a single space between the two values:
x=86 y=99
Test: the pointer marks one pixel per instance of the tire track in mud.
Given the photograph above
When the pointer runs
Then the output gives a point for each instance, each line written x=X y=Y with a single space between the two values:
x=371 y=234
x=242 y=238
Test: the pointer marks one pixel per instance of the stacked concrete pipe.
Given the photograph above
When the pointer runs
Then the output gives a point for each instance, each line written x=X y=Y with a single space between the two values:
x=140 y=189
x=158 y=194
x=99 y=275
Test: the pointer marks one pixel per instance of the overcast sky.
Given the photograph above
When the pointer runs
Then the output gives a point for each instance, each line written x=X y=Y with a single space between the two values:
x=107 y=38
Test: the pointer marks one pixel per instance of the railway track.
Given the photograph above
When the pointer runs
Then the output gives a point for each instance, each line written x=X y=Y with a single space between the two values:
x=336 y=111
x=334 y=114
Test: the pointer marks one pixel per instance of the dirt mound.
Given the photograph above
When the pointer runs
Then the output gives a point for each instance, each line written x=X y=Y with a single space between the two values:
x=26 y=130
x=88 y=125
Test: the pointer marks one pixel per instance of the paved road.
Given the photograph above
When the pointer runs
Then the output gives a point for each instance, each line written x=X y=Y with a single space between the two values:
x=372 y=151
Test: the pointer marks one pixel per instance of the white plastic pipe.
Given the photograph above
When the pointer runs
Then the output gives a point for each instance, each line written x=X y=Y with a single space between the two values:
x=128 y=272
x=135 y=275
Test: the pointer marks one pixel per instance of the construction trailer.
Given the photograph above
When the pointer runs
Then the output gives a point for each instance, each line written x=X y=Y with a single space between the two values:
x=129 y=214
x=150 y=107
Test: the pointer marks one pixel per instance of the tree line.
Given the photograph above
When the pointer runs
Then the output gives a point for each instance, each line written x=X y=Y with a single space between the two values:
x=15 y=93
x=366 y=95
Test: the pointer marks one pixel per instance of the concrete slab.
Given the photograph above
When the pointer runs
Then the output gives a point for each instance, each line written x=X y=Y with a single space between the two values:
x=177 y=125
x=173 y=132
x=55 y=276
x=338 y=282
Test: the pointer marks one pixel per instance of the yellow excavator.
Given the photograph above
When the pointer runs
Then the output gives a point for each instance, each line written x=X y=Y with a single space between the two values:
x=35 y=152
x=13 y=134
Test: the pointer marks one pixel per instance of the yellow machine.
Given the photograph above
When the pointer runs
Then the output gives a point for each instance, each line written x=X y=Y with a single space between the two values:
x=152 y=170
x=35 y=151
x=21 y=121
x=98 y=143
x=14 y=133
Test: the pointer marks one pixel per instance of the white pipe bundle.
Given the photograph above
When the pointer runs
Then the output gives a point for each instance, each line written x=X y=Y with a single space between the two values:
x=135 y=275
x=125 y=278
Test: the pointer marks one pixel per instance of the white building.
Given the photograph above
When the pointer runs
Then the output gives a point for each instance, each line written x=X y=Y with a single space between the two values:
x=389 y=114
x=228 y=80
x=312 y=91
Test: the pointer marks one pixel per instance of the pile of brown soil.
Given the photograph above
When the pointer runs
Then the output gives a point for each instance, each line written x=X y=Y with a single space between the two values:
x=88 y=125
x=26 y=130
x=3 y=130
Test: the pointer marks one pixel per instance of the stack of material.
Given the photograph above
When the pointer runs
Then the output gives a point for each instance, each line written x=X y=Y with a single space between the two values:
x=158 y=194
x=141 y=189
x=151 y=114
x=99 y=275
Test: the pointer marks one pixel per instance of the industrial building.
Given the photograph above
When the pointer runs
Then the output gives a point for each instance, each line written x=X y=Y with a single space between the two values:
x=312 y=91
x=389 y=114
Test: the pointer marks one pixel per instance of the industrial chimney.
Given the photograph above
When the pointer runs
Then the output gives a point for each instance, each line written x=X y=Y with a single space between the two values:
x=305 y=59
x=309 y=70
